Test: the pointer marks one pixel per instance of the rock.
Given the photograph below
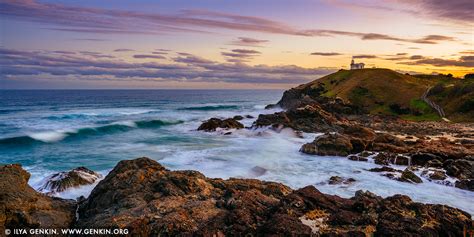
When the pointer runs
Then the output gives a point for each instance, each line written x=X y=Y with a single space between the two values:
x=62 y=181
x=212 y=124
x=258 y=171
x=434 y=163
x=461 y=169
x=238 y=117
x=329 y=144
x=365 y=154
x=434 y=174
x=467 y=184
x=401 y=160
x=249 y=116
x=339 y=180
x=383 y=158
x=310 y=118
x=384 y=169
x=22 y=207
x=271 y=106
x=423 y=158
x=409 y=177
x=142 y=196
x=357 y=158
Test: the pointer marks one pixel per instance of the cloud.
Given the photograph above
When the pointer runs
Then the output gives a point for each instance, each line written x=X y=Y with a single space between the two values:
x=467 y=52
x=325 y=54
x=458 y=11
x=96 y=20
x=15 y=64
x=249 y=42
x=124 y=50
x=148 y=56
x=365 y=56
x=463 y=61
x=240 y=55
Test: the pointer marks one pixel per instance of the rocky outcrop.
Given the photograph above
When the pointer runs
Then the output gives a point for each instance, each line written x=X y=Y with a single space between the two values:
x=309 y=118
x=62 y=181
x=212 y=124
x=149 y=200
x=329 y=144
x=22 y=207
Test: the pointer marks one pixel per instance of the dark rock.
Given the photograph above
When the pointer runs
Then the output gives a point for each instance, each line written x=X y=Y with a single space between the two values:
x=423 y=158
x=383 y=158
x=339 y=180
x=249 y=116
x=401 y=160
x=467 y=184
x=271 y=106
x=384 y=169
x=357 y=158
x=62 y=181
x=409 y=177
x=22 y=207
x=434 y=174
x=329 y=144
x=212 y=124
x=258 y=171
x=238 y=117
x=461 y=169
x=310 y=118
x=434 y=163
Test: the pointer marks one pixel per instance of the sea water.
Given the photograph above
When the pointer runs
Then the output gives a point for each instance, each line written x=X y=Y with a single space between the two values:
x=48 y=131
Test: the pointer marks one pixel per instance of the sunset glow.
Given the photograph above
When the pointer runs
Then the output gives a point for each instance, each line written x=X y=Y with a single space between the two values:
x=213 y=44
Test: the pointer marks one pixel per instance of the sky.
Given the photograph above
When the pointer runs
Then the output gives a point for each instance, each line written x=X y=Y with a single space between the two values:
x=225 y=44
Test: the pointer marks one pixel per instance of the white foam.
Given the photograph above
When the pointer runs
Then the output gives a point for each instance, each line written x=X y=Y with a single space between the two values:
x=48 y=136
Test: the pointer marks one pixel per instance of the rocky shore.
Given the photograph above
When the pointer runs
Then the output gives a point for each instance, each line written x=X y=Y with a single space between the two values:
x=149 y=200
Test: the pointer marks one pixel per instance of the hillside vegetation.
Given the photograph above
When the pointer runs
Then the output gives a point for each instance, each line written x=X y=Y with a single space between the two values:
x=384 y=91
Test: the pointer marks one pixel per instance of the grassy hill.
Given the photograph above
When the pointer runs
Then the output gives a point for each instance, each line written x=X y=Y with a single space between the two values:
x=383 y=91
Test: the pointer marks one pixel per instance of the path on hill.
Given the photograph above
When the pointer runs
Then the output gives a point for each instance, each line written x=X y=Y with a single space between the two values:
x=433 y=105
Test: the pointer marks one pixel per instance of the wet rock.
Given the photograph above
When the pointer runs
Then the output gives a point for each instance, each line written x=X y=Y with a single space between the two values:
x=384 y=169
x=357 y=158
x=409 y=177
x=22 y=207
x=340 y=180
x=423 y=158
x=461 y=169
x=434 y=163
x=310 y=118
x=434 y=174
x=365 y=154
x=258 y=171
x=329 y=144
x=238 y=117
x=467 y=184
x=249 y=116
x=401 y=160
x=383 y=158
x=62 y=181
x=149 y=200
x=212 y=124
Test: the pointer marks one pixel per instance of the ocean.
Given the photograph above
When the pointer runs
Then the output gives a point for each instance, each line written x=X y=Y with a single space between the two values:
x=48 y=131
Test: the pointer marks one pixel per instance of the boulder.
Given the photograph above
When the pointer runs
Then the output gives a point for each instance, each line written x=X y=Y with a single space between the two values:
x=467 y=184
x=22 y=207
x=461 y=169
x=238 y=117
x=61 y=181
x=309 y=118
x=340 y=180
x=329 y=144
x=212 y=124
x=409 y=177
